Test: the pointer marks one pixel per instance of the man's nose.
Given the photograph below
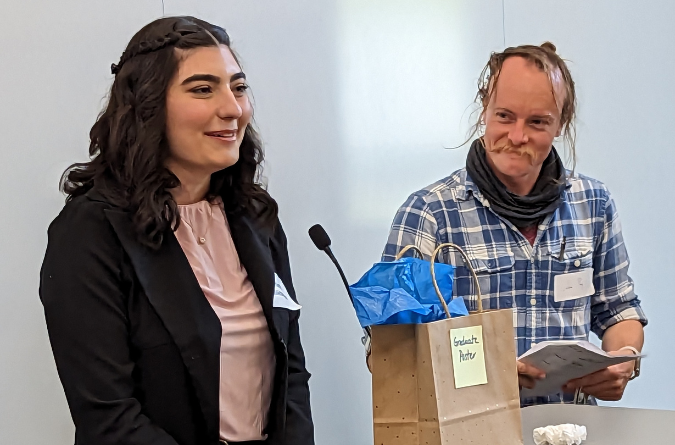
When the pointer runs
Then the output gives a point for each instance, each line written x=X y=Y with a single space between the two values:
x=517 y=134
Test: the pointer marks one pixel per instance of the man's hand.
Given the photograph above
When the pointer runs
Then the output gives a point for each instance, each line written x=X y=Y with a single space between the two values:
x=607 y=384
x=528 y=375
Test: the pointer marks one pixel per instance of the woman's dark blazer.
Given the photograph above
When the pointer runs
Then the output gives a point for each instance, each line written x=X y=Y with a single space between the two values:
x=136 y=343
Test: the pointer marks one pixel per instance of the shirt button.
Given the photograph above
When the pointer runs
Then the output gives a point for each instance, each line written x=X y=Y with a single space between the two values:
x=533 y=301
x=577 y=263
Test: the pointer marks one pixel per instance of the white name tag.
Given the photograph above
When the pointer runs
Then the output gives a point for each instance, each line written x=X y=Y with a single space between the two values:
x=571 y=286
x=281 y=297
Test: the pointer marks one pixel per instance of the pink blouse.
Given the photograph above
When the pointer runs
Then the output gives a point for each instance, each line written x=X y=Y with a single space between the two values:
x=247 y=358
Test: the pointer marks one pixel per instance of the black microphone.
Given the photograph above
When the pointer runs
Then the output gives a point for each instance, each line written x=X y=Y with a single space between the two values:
x=322 y=242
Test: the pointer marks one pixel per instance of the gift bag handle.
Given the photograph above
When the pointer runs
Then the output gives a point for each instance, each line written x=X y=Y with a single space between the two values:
x=468 y=265
x=407 y=248
x=433 y=272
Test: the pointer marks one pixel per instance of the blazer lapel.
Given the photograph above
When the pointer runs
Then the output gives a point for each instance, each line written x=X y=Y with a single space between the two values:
x=173 y=290
x=254 y=253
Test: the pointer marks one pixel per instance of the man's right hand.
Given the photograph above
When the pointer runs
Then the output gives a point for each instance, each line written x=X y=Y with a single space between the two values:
x=528 y=375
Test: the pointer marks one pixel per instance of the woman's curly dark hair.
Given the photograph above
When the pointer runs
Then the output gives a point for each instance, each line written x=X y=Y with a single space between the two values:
x=128 y=147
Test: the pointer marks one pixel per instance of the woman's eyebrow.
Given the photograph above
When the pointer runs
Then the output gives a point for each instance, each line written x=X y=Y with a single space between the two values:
x=202 y=78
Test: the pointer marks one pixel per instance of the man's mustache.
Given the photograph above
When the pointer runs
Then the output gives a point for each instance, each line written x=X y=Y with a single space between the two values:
x=510 y=148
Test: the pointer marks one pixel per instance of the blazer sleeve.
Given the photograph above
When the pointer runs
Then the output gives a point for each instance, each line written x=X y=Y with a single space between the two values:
x=299 y=425
x=84 y=297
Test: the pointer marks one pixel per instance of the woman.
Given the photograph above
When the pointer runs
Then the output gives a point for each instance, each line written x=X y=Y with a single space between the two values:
x=166 y=283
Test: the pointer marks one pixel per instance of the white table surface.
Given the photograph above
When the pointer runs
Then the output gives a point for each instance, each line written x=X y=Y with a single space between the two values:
x=604 y=425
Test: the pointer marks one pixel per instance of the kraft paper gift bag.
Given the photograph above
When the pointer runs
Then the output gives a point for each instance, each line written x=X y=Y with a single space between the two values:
x=452 y=381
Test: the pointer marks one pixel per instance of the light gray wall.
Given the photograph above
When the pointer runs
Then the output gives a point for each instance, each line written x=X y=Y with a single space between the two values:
x=355 y=100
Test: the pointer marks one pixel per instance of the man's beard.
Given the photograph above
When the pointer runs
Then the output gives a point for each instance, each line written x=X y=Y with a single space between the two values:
x=507 y=147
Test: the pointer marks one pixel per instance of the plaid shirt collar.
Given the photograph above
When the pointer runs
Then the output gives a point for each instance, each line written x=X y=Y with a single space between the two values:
x=466 y=187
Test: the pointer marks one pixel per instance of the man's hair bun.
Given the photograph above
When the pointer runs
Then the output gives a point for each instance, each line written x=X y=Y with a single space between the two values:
x=549 y=46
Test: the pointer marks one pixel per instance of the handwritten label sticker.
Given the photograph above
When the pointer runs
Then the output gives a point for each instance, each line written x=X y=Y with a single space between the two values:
x=468 y=357
x=571 y=286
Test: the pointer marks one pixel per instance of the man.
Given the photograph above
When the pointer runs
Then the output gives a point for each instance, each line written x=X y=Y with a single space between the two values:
x=526 y=222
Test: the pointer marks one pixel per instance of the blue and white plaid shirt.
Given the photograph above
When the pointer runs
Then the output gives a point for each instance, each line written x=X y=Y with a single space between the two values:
x=512 y=273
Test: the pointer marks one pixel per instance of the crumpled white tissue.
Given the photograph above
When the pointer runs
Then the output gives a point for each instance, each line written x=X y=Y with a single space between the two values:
x=566 y=434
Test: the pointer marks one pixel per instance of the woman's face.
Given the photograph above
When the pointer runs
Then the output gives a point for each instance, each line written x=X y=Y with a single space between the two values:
x=207 y=112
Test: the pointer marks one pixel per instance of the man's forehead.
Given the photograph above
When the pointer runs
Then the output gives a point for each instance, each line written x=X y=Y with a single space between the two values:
x=521 y=79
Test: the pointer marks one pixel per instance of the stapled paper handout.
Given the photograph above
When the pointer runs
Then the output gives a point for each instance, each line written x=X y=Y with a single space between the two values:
x=563 y=361
x=281 y=297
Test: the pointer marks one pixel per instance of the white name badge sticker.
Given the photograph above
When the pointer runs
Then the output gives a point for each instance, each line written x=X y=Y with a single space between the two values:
x=281 y=297
x=571 y=286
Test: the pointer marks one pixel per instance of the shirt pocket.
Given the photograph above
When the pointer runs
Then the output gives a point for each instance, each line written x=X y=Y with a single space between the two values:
x=495 y=273
x=576 y=256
